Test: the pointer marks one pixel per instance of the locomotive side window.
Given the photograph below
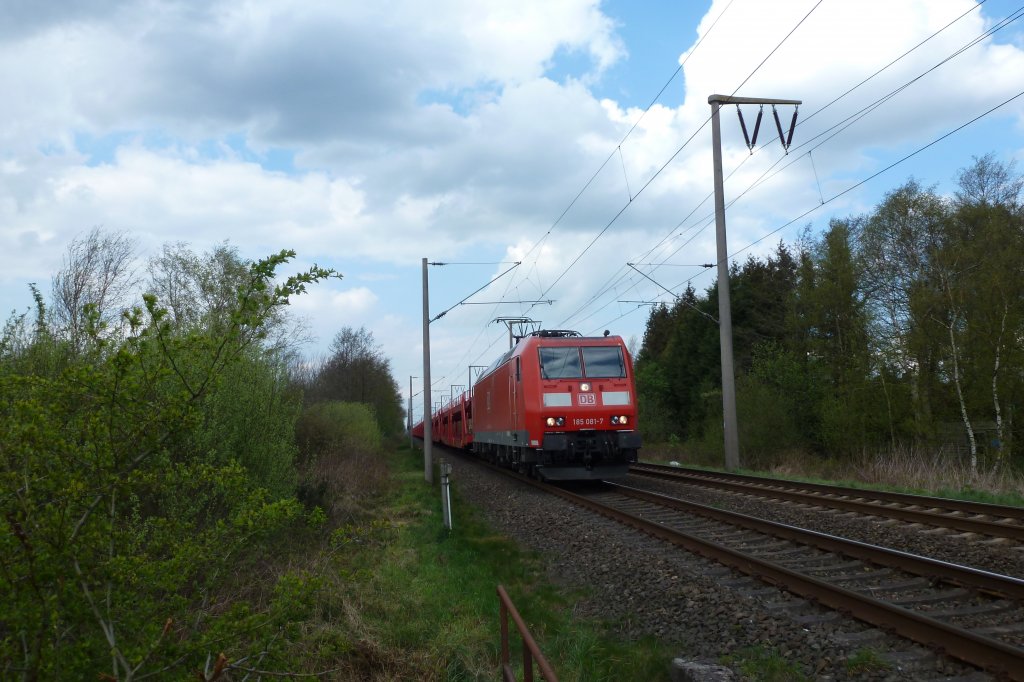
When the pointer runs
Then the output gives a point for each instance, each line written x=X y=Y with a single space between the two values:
x=560 y=363
x=604 y=362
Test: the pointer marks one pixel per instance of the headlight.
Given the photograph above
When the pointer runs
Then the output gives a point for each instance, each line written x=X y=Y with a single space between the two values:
x=584 y=387
x=620 y=419
x=555 y=421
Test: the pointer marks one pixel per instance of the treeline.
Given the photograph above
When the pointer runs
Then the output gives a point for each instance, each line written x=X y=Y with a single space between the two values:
x=900 y=327
x=148 y=451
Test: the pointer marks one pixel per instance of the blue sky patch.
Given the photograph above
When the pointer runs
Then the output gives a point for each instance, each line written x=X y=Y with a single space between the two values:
x=653 y=51
x=463 y=101
x=569 y=65
x=102 y=149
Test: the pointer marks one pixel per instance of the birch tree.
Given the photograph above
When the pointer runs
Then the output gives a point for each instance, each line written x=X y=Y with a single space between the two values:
x=95 y=281
x=897 y=248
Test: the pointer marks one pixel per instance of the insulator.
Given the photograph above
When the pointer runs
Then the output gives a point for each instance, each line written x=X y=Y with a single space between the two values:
x=757 y=125
x=743 y=127
x=778 y=126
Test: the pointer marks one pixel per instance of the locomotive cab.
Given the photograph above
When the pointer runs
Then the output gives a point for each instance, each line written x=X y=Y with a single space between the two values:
x=586 y=407
x=558 y=405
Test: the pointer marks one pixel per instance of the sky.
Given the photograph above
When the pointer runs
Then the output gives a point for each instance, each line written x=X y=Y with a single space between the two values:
x=571 y=136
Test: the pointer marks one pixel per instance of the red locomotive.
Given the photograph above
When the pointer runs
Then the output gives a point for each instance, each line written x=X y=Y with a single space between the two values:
x=558 y=405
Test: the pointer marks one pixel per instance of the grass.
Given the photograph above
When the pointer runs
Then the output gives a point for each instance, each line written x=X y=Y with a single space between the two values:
x=866 y=661
x=455 y=587
x=761 y=664
x=389 y=594
x=909 y=471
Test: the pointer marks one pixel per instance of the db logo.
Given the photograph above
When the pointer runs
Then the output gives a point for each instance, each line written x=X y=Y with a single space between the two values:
x=587 y=399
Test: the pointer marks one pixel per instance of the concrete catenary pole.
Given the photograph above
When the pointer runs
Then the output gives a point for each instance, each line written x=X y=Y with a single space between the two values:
x=428 y=465
x=730 y=424
x=411 y=445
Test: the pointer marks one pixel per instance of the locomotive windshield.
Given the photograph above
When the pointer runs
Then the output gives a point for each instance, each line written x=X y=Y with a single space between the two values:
x=560 y=363
x=604 y=362
x=601 y=362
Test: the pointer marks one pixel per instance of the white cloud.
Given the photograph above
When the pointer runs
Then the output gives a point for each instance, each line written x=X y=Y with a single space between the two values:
x=438 y=130
x=348 y=304
x=287 y=73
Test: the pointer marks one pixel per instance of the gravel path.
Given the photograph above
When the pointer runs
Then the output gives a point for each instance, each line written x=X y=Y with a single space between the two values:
x=642 y=586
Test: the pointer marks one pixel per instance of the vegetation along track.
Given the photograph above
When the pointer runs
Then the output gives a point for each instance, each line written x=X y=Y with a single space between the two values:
x=960 y=515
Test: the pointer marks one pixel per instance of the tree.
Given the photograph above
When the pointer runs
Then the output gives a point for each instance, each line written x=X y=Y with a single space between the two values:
x=983 y=280
x=834 y=312
x=837 y=306
x=898 y=244
x=658 y=411
x=990 y=183
x=357 y=371
x=762 y=298
x=657 y=331
x=96 y=277
x=116 y=526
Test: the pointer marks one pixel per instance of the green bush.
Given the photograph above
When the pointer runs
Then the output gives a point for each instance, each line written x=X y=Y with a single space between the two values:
x=117 y=526
x=340 y=453
x=250 y=416
x=337 y=426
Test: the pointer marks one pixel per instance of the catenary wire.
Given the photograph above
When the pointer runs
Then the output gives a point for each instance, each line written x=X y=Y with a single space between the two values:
x=662 y=168
x=774 y=231
x=990 y=31
x=590 y=181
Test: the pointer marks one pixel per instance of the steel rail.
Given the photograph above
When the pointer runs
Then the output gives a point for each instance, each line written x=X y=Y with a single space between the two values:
x=765 y=488
x=965 y=506
x=991 y=583
x=973 y=648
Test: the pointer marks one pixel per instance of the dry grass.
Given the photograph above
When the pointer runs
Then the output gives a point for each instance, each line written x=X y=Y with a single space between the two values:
x=343 y=484
x=936 y=471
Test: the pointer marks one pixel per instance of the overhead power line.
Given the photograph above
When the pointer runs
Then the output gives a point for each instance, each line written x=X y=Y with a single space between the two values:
x=875 y=175
x=621 y=274
x=611 y=154
x=463 y=301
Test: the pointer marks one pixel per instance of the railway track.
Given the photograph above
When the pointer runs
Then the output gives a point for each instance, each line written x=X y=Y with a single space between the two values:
x=975 y=616
x=995 y=521
x=968 y=614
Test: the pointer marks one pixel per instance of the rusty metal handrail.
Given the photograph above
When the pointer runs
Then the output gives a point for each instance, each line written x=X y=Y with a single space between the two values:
x=531 y=652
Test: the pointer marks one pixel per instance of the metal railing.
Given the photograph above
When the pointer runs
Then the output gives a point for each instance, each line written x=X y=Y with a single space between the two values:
x=531 y=652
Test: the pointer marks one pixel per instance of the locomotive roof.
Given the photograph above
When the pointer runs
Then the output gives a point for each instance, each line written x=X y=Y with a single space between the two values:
x=556 y=333
x=560 y=337
x=565 y=335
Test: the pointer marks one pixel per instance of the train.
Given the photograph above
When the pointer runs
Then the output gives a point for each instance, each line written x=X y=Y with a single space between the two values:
x=558 y=406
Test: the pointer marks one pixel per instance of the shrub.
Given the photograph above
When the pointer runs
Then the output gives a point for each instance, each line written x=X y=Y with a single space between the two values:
x=340 y=450
x=116 y=526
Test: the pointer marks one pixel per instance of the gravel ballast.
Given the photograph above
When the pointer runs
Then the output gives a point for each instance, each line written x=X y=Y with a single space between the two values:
x=642 y=586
